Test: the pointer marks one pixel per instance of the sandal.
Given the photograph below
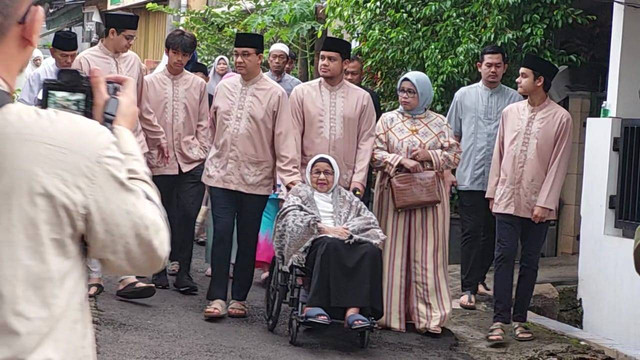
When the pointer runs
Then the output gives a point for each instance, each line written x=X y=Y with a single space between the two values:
x=314 y=315
x=353 y=318
x=173 y=268
x=521 y=332
x=131 y=291
x=216 y=305
x=496 y=330
x=471 y=301
x=99 y=289
x=237 y=309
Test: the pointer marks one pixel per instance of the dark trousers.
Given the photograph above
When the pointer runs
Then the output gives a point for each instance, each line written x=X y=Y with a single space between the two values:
x=226 y=206
x=182 y=197
x=510 y=229
x=478 y=227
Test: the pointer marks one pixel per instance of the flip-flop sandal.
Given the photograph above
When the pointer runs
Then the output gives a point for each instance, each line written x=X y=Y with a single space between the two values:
x=219 y=305
x=99 y=289
x=520 y=329
x=239 y=307
x=353 y=318
x=312 y=316
x=496 y=330
x=131 y=291
x=469 y=306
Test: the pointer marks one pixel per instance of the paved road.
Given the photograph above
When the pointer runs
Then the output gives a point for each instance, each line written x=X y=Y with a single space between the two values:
x=171 y=326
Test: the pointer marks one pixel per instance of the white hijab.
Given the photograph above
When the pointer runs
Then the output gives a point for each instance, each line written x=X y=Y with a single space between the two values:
x=214 y=77
x=324 y=201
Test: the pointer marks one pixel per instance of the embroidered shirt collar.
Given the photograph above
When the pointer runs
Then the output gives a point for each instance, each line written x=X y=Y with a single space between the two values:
x=166 y=72
x=106 y=51
x=535 y=109
x=332 y=88
x=252 y=81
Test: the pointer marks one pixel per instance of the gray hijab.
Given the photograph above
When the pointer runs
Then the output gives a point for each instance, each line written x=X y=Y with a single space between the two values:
x=425 y=91
x=214 y=77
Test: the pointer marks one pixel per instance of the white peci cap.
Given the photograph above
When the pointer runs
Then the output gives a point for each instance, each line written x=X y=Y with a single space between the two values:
x=280 y=47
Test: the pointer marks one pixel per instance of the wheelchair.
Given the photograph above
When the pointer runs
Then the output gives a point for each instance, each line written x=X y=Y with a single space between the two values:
x=286 y=288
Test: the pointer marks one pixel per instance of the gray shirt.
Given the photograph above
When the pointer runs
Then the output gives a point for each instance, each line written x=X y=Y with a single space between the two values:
x=287 y=81
x=474 y=116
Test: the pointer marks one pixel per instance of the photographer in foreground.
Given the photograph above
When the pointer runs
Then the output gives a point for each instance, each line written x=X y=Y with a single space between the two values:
x=65 y=178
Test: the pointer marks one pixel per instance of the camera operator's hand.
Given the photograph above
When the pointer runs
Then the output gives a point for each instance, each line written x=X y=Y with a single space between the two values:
x=127 y=115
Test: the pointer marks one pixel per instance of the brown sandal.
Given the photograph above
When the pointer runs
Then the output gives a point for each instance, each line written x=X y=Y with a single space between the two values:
x=237 y=309
x=217 y=305
x=496 y=330
x=521 y=332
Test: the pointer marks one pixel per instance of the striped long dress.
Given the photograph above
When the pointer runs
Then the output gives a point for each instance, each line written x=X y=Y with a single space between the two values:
x=415 y=276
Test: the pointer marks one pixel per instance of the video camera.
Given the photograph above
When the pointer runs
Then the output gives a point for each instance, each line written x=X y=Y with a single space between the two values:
x=71 y=92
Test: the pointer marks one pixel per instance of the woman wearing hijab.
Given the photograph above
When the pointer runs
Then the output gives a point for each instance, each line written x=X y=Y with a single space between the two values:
x=34 y=63
x=221 y=67
x=331 y=233
x=414 y=139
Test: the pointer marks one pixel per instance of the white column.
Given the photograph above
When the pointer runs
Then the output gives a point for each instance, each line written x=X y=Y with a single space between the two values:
x=623 y=92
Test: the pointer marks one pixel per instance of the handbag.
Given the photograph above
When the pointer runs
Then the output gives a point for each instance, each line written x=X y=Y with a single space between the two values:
x=415 y=190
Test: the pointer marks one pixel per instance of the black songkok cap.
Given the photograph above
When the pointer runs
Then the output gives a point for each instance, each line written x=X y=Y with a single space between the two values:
x=121 y=20
x=65 y=41
x=336 y=45
x=250 y=40
x=199 y=68
x=541 y=66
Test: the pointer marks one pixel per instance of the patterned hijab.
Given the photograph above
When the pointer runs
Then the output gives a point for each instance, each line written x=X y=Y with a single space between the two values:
x=214 y=77
x=425 y=91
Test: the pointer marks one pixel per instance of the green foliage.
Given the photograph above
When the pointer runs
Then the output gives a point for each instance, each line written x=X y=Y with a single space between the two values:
x=443 y=38
x=291 y=22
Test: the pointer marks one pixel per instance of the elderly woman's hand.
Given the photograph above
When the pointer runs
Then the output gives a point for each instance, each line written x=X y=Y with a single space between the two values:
x=336 y=232
x=411 y=165
x=421 y=155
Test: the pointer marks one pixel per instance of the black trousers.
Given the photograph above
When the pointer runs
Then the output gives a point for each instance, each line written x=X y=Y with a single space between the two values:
x=344 y=276
x=478 y=227
x=510 y=229
x=226 y=206
x=182 y=198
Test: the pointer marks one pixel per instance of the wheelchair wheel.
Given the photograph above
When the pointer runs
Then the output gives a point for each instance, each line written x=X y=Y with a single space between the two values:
x=294 y=326
x=364 y=338
x=273 y=296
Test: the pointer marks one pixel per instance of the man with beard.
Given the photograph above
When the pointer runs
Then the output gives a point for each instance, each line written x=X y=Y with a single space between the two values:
x=278 y=58
x=334 y=117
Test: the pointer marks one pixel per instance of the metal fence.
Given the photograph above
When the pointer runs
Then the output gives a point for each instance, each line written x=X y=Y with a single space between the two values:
x=627 y=199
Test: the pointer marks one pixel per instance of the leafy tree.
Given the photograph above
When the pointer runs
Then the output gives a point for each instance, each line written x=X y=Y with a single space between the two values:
x=291 y=22
x=443 y=38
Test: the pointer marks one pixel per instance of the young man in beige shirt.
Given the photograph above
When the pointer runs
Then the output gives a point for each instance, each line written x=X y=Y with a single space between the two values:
x=175 y=118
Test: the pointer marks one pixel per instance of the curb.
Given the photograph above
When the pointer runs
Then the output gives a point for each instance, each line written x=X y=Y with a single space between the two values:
x=610 y=347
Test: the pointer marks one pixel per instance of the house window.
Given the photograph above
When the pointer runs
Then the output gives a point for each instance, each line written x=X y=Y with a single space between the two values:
x=627 y=199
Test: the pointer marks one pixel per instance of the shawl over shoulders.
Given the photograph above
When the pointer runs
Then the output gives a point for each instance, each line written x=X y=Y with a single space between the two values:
x=297 y=223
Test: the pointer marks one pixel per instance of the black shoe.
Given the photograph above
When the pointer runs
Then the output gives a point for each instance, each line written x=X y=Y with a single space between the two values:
x=185 y=284
x=160 y=280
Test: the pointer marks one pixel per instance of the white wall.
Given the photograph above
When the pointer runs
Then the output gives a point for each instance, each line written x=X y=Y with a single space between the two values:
x=623 y=88
x=608 y=283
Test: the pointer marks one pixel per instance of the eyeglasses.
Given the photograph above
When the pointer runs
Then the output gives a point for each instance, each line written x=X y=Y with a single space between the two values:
x=278 y=57
x=326 y=173
x=130 y=38
x=407 y=92
x=243 y=55
x=23 y=18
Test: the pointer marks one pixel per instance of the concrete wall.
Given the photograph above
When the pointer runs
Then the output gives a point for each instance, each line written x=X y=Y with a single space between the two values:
x=608 y=284
x=569 y=221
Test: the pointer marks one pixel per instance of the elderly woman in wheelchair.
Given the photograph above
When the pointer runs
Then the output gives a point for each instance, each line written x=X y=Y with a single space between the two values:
x=327 y=231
